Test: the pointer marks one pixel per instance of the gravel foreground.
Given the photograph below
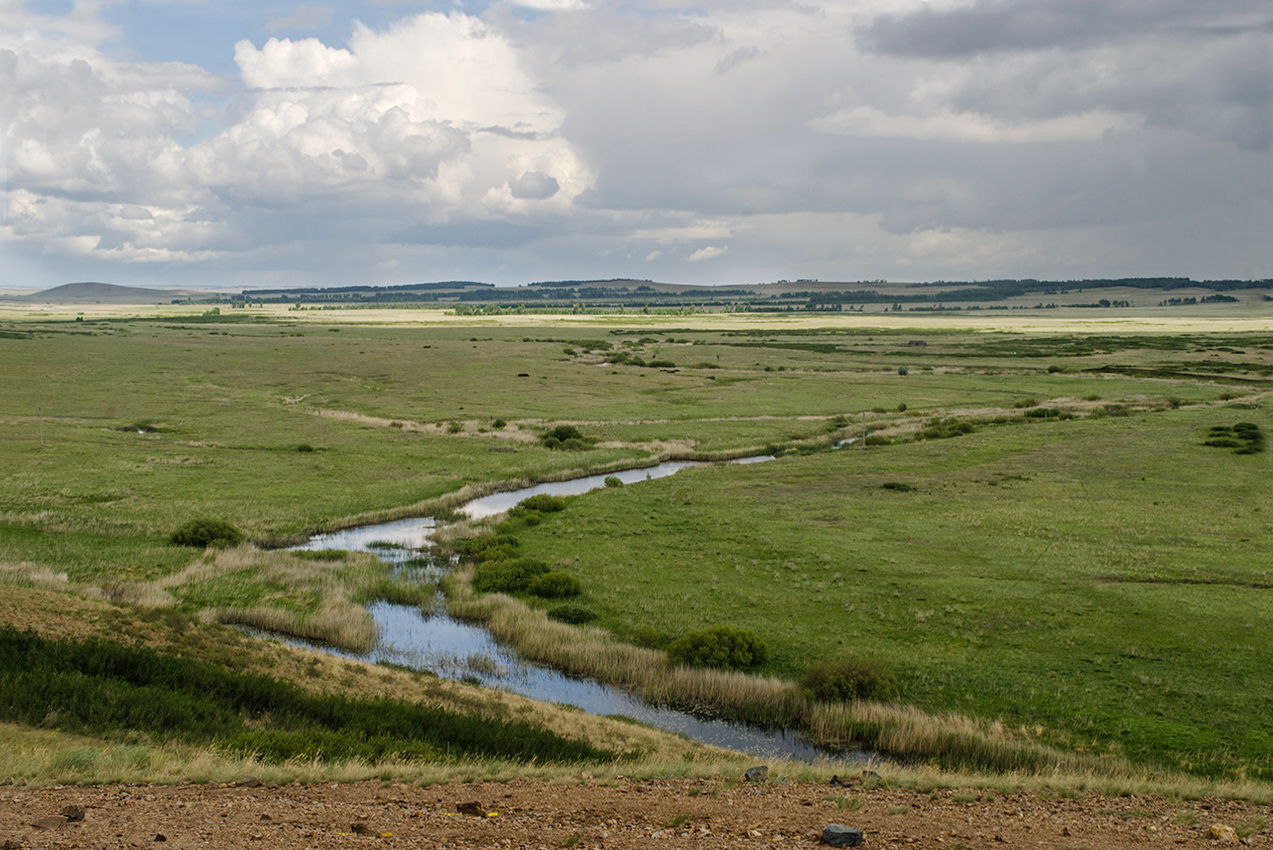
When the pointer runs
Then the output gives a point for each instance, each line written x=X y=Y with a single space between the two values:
x=621 y=814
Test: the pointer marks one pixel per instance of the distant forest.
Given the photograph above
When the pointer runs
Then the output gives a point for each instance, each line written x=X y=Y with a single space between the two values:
x=476 y=297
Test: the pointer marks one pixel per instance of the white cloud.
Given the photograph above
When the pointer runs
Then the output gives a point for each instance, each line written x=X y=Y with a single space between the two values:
x=708 y=252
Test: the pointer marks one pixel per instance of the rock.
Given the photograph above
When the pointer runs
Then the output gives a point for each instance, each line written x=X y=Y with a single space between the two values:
x=757 y=774
x=473 y=808
x=160 y=837
x=74 y=814
x=51 y=822
x=1223 y=833
x=247 y=782
x=10 y=844
x=841 y=836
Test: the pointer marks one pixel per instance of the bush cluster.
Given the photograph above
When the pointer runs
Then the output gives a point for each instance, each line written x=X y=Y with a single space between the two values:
x=1245 y=437
x=848 y=679
x=554 y=585
x=946 y=428
x=507 y=575
x=565 y=438
x=721 y=647
x=206 y=532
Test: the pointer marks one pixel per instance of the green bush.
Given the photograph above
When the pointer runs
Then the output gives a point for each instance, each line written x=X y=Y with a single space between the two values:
x=848 y=679
x=206 y=532
x=305 y=448
x=555 y=585
x=498 y=424
x=565 y=438
x=489 y=547
x=946 y=428
x=573 y=614
x=543 y=503
x=902 y=370
x=507 y=576
x=721 y=647
x=613 y=481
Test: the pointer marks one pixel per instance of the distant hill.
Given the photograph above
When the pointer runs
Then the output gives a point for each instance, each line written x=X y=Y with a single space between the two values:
x=109 y=293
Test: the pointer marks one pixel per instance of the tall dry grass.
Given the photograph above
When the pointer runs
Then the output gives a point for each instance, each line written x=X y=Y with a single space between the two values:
x=311 y=599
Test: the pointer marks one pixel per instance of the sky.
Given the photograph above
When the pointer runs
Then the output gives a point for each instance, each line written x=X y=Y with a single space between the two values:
x=231 y=145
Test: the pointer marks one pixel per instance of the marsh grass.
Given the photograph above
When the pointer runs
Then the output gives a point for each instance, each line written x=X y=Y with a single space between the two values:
x=291 y=593
x=950 y=740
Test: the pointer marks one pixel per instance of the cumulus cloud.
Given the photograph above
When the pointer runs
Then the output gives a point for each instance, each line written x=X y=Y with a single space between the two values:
x=433 y=119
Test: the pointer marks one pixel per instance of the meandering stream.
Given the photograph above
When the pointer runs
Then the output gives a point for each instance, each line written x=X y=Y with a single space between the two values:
x=433 y=640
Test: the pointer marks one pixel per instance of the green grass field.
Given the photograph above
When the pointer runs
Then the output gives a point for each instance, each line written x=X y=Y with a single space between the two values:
x=1104 y=587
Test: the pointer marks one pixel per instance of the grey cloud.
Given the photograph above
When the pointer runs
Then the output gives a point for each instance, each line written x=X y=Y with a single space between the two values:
x=738 y=57
x=534 y=186
x=994 y=26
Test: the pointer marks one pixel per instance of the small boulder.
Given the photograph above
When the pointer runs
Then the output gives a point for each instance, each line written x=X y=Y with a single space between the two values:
x=74 y=814
x=51 y=822
x=473 y=808
x=1223 y=833
x=841 y=836
x=757 y=774
x=247 y=782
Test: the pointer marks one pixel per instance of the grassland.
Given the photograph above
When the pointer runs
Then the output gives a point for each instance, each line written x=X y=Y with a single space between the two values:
x=1099 y=584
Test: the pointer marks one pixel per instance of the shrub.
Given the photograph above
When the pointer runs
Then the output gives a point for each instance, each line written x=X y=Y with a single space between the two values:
x=206 y=532
x=613 y=481
x=902 y=370
x=507 y=575
x=489 y=547
x=662 y=364
x=305 y=447
x=898 y=486
x=499 y=424
x=901 y=408
x=455 y=428
x=721 y=647
x=573 y=614
x=848 y=679
x=1053 y=369
x=946 y=428
x=543 y=503
x=556 y=585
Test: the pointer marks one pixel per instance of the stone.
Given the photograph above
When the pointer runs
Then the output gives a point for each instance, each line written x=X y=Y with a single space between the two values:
x=841 y=836
x=1223 y=833
x=757 y=774
x=361 y=828
x=74 y=814
x=247 y=782
x=473 y=808
x=51 y=822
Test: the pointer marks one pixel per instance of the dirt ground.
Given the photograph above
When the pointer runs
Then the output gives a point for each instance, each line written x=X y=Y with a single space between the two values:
x=624 y=814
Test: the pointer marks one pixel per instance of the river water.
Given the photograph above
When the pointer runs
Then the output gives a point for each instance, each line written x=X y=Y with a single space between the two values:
x=433 y=640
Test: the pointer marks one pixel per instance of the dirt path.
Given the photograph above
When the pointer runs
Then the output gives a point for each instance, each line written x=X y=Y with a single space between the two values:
x=625 y=814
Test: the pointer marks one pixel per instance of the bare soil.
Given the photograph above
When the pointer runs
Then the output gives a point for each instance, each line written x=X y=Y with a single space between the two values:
x=622 y=814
